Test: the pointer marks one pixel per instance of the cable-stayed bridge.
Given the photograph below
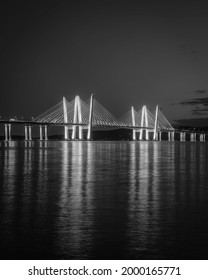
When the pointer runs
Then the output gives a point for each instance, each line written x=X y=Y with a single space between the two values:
x=78 y=116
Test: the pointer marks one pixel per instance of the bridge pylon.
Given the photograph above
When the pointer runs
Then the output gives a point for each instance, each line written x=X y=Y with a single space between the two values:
x=144 y=123
x=133 y=122
x=77 y=119
x=89 y=133
x=156 y=121
x=66 y=130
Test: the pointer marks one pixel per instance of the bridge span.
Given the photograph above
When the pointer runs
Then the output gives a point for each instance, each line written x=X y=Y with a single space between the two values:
x=78 y=116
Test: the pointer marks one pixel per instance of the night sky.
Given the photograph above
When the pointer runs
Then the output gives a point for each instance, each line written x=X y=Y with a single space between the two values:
x=127 y=52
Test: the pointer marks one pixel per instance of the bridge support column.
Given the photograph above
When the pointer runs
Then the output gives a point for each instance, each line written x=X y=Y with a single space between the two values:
x=9 y=128
x=182 y=136
x=160 y=136
x=141 y=134
x=66 y=133
x=204 y=137
x=73 y=132
x=169 y=136
x=26 y=133
x=41 y=133
x=201 y=137
x=147 y=134
x=134 y=135
x=30 y=132
x=193 y=137
x=172 y=136
x=80 y=132
x=46 y=132
x=6 y=132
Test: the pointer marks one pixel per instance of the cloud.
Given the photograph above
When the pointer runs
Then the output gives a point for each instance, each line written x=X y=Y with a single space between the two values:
x=201 y=91
x=200 y=104
x=199 y=111
x=196 y=101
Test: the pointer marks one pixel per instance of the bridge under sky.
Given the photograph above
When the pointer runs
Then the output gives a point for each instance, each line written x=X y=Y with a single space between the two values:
x=80 y=119
x=128 y=52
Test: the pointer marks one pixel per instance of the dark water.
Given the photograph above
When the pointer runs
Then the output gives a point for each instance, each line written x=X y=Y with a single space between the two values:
x=104 y=200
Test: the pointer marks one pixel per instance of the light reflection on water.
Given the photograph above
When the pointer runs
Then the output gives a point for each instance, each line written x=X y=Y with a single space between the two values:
x=103 y=200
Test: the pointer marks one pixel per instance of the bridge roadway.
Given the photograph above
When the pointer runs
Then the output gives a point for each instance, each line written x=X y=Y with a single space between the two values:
x=35 y=123
x=184 y=135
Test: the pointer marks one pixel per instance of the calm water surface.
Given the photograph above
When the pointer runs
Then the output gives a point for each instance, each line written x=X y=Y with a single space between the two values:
x=104 y=200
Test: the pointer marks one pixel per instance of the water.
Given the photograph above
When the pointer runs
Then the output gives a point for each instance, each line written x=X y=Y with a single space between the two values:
x=103 y=200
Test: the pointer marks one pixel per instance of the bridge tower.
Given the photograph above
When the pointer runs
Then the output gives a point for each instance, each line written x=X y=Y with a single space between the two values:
x=144 y=123
x=89 y=133
x=133 y=122
x=156 y=121
x=66 y=131
x=77 y=119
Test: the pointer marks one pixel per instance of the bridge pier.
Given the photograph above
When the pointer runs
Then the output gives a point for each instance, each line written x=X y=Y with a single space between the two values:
x=160 y=136
x=141 y=134
x=66 y=133
x=193 y=136
x=172 y=136
x=80 y=133
x=182 y=136
x=146 y=134
x=169 y=136
x=73 y=132
x=7 y=128
x=202 y=137
x=41 y=133
x=6 y=132
x=46 y=132
x=10 y=127
x=134 y=135
x=28 y=133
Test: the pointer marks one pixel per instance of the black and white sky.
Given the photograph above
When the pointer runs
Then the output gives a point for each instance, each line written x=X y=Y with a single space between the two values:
x=128 y=52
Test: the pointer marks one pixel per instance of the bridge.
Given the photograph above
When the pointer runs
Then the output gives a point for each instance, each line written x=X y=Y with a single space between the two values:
x=78 y=116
